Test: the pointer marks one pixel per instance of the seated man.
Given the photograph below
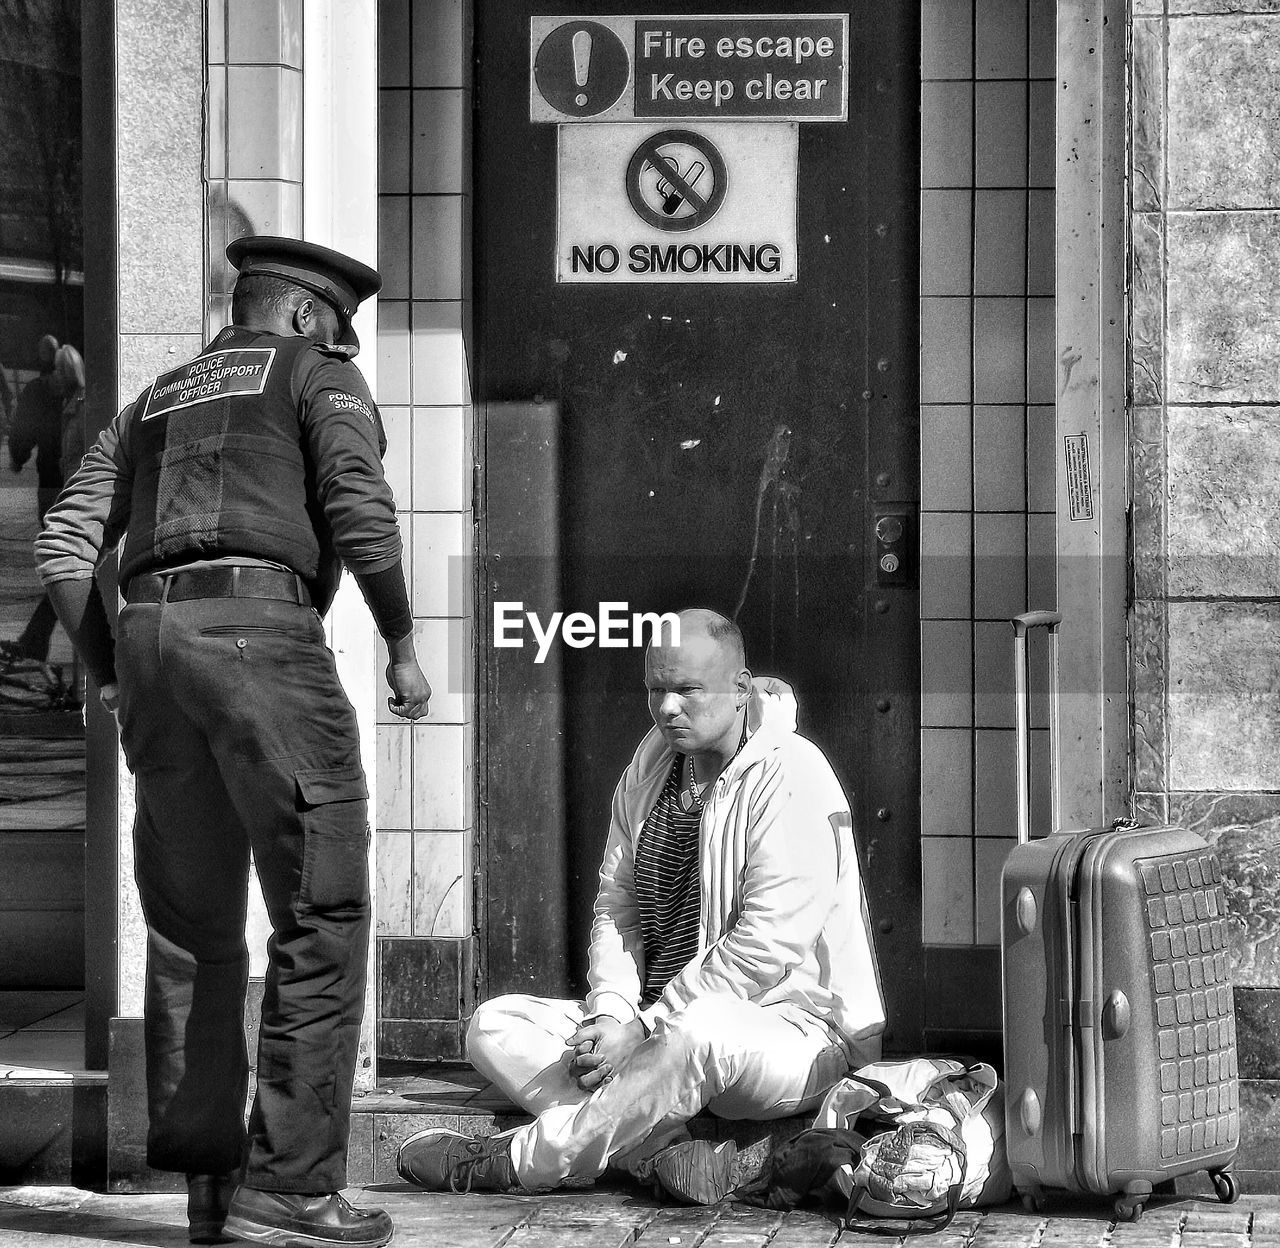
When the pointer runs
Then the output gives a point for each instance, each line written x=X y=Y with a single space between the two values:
x=731 y=964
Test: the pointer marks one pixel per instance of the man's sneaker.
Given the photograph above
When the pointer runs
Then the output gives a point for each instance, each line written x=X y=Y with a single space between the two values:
x=696 y=1172
x=448 y=1161
x=295 y=1220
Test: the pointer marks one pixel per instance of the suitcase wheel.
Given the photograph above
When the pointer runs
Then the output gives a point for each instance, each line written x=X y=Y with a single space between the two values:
x=1129 y=1208
x=1225 y=1185
x=1033 y=1201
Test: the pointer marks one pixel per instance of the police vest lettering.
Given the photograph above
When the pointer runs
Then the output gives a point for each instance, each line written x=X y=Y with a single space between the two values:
x=226 y=472
x=217 y=375
x=350 y=403
x=679 y=258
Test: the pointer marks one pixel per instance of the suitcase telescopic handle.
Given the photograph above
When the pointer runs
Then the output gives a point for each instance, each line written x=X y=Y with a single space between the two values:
x=1022 y=625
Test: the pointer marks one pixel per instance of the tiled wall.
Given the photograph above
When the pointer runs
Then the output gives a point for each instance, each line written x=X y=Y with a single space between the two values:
x=425 y=818
x=1205 y=438
x=253 y=149
x=253 y=181
x=986 y=429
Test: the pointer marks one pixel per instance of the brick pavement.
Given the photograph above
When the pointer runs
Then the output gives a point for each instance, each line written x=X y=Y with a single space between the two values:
x=611 y=1216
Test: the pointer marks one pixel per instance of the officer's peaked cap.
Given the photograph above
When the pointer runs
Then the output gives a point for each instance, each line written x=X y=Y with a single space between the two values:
x=338 y=279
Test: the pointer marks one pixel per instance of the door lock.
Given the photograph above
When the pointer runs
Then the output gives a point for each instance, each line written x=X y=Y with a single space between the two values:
x=892 y=554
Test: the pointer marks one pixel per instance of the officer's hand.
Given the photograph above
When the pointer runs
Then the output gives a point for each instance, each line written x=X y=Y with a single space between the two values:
x=110 y=696
x=410 y=689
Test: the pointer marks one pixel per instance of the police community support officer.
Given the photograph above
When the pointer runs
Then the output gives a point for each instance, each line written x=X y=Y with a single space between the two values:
x=243 y=478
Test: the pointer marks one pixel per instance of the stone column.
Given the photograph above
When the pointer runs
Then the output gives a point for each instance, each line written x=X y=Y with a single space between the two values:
x=1204 y=348
x=1090 y=395
x=158 y=281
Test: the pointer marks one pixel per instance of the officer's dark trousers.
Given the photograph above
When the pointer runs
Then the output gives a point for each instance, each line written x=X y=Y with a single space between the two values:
x=242 y=740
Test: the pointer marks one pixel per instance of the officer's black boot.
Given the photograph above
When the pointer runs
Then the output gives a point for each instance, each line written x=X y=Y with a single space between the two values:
x=297 y=1220
x=208 y=1198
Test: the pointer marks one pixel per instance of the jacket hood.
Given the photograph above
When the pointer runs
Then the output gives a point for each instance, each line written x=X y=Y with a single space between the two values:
x=772 y=705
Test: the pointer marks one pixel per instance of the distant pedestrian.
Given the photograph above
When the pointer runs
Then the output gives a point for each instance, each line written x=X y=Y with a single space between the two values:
x=38 y=427
x=6 y=401
x=68 y=382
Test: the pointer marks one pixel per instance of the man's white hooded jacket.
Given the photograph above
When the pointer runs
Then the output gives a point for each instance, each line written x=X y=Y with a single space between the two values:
x=783 y=918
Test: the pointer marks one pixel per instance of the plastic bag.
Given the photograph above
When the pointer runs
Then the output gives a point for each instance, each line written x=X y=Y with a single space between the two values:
x=934 y=1132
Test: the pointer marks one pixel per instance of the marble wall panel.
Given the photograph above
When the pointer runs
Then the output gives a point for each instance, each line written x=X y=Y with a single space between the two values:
x=1224 y=111
x=1151 y=807
x=1149 y=673
x=1223 y=307
x=1177 y=7
x=1245 y=830
x=1224 y=501
x=1146 y=307
x=1147 y=153
x=1224 y=717
x=1147 y=452
x=1258 y=1032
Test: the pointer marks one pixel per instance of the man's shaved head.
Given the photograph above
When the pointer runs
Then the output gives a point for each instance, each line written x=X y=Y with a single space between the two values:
x=698 y=689
x=700 y=621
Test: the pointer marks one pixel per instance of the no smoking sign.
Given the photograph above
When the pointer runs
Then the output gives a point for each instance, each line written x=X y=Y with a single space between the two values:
x=640 y=202
x=676 y=180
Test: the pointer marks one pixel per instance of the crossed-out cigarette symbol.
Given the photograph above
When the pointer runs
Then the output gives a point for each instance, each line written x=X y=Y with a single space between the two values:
x=683 y=172
x=671 y=197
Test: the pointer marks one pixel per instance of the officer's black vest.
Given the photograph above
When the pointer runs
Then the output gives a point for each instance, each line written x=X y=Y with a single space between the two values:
x=219 y=466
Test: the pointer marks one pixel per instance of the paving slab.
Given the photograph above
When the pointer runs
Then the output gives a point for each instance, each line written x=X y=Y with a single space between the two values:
x=615 y=1214
x=803 y=1229
x=1225 y=1219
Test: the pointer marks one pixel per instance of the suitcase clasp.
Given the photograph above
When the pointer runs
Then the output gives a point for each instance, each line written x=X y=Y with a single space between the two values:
x=1116 y=1016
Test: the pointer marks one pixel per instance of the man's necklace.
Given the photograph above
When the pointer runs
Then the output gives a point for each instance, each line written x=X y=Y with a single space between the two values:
x=690 y=797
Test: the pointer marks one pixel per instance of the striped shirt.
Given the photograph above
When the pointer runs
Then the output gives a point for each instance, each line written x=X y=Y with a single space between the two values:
x=666 y=881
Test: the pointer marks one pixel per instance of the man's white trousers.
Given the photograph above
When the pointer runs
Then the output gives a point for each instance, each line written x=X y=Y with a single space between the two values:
x=740 y=1060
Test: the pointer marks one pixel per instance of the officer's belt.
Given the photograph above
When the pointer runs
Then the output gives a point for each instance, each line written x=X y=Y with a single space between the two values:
x=228 y=582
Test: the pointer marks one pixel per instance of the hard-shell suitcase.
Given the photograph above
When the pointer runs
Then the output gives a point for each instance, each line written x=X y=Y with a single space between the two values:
x=1119 y=1028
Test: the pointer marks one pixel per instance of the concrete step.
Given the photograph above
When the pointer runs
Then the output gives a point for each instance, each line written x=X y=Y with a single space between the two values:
x=55 y=1131
x=407 y=1101
x=42 y=891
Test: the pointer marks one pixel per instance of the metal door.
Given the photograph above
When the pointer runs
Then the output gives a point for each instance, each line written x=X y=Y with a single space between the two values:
x=724 y=445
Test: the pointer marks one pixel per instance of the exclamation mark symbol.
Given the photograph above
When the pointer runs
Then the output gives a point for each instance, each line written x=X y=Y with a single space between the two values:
x=581 y=64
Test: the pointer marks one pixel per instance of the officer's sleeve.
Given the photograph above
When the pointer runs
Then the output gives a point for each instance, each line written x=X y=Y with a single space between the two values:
x=91 y=513
x=344 y=435
x=87 y=521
